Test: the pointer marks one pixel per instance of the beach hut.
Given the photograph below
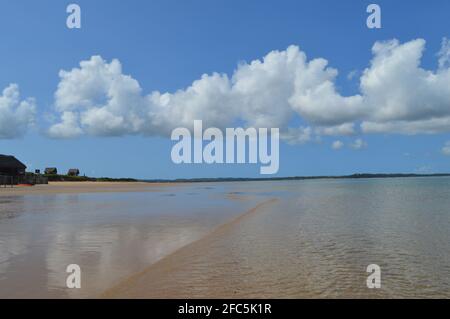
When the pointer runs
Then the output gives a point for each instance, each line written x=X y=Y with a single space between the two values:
x=73 y=172
x=11 y=166
x=51 y=171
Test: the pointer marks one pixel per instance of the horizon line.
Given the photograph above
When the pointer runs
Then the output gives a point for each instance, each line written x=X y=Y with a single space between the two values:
x=287 y=178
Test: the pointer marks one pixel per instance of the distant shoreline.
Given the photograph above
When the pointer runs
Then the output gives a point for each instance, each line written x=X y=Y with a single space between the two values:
x=292 y=178
x=83 y=187
x=75 y=179
x=126 y=185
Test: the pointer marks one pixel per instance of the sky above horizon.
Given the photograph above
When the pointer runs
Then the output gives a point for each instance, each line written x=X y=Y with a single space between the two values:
x=347 y=99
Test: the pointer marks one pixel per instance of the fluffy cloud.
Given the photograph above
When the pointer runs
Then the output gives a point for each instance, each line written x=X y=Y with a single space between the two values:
x=299 y=135
x=358 y=144
x=98 y=99
x=444 y=54
x=337 y=145
x=396 y=95
x=16 y=115
x=337 y=130
x=446 y=149
x=401 y=96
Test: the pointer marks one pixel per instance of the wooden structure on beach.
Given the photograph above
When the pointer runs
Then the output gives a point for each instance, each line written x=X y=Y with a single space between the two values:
x=11 y=170
x=73 y=172
x=11 y=166
x=51 y=171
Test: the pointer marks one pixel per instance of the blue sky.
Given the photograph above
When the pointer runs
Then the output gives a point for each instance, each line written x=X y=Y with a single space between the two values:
x=166 y=45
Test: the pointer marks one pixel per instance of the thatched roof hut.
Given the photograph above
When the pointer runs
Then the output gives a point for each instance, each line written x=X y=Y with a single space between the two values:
x=73 y=172
x=11 y=166
x=51 y=171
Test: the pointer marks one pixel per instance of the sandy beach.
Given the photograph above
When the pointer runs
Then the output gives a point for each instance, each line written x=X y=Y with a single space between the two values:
x=302 y=245
x=83 y=187
x=112 y=230
x=161 y=280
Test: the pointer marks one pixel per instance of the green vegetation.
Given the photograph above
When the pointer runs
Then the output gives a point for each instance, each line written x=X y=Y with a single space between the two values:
x=293 y=178
x=67 y=178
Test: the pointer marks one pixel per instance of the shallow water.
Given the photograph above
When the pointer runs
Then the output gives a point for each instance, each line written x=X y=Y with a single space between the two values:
x=109 y=235
x=319 y=239
x=316 y=240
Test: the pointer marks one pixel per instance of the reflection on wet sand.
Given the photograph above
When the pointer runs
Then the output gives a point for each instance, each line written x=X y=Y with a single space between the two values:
x=110 y=236
x=316 y=242
x=297 y=239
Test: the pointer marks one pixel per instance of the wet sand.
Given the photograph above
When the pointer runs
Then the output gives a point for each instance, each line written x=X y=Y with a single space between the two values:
x=160 y=280
x=315 y=241
x=111 y=230
x=83 y=187
x=309 y=239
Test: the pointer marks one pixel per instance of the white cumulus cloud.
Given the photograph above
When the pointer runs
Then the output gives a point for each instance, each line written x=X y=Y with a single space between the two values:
x=446 y=149
x=402 y=97
x=358 y=144
x=337 y=145
x=98 y=99
x=16 y=115
x=396 y=95
x=300 y=135
x=444 y=54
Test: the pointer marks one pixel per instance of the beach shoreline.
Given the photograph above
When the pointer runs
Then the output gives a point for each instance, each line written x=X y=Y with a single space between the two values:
x=83 y=187
x=138 y=285
x=135 y=224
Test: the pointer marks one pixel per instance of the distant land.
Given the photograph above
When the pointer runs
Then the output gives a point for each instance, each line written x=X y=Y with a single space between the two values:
x=293 y=178
x=65 y=178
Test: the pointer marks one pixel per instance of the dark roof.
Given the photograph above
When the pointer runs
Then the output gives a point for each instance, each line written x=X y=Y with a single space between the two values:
x=7 y=161
x=74 y=170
